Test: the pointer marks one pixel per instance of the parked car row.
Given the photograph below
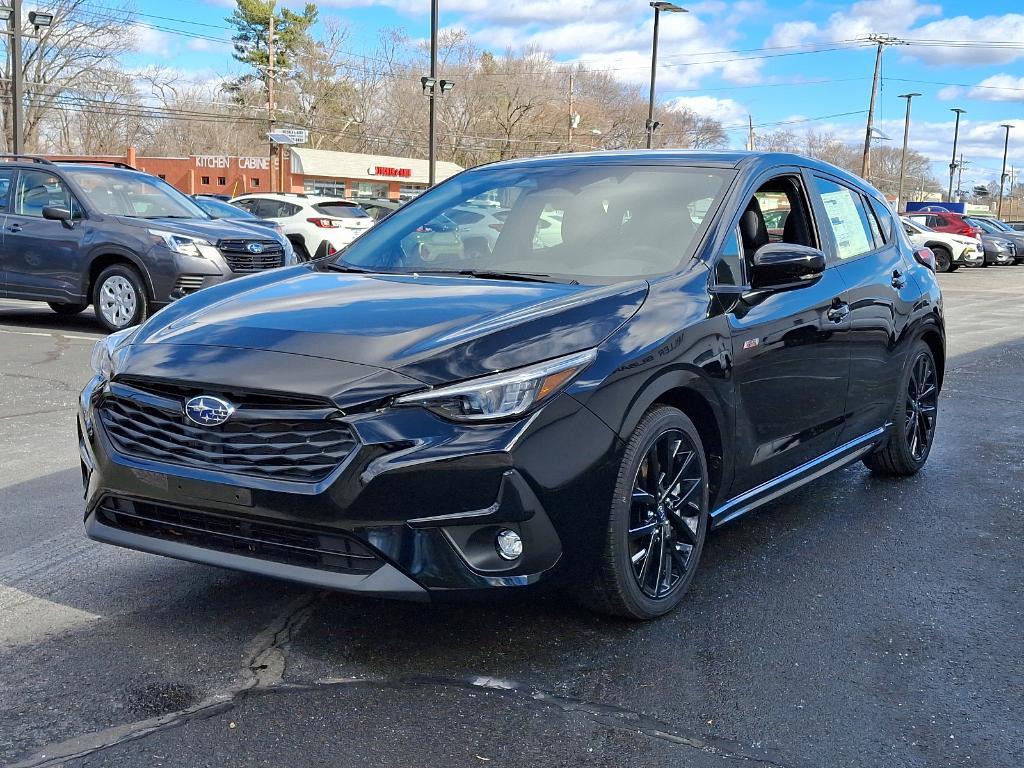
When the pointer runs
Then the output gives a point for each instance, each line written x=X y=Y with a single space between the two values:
x=959 y=239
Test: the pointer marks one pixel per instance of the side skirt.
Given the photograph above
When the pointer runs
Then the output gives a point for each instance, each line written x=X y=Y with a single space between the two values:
x=805 y=473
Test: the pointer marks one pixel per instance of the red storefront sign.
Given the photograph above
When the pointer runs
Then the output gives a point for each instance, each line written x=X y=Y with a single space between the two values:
x=383 y=170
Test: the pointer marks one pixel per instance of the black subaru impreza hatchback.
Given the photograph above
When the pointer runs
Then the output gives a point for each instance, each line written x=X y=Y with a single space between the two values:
x=633 y=359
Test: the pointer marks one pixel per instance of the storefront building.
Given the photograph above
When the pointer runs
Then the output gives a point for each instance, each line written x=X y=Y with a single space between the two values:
x=312 y=171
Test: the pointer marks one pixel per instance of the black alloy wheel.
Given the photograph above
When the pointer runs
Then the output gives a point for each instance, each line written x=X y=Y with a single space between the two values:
x=921 y=406
x=913 y=421
x=658 y=521
x=664 y=516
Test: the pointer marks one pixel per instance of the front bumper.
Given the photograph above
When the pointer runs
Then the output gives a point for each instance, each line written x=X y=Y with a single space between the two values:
x=424 y=496
x=971 y=256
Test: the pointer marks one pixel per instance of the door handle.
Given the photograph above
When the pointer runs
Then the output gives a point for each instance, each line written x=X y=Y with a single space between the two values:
x=838 y=311
x=898 y=280
x=14 y=228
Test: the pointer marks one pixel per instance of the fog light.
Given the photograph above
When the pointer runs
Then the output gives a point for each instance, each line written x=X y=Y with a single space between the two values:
x=509 y=545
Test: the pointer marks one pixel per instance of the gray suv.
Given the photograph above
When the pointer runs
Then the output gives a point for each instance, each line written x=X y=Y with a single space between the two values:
x=75 y=234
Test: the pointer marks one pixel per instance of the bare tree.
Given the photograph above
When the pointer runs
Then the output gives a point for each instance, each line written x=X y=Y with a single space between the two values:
x=77 y=51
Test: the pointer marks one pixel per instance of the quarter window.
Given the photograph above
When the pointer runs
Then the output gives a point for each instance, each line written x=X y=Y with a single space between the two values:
x=883 y=216
x=844 y=211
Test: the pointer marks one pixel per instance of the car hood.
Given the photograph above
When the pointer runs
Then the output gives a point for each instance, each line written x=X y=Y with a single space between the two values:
x=207 y=229
x=430 y=328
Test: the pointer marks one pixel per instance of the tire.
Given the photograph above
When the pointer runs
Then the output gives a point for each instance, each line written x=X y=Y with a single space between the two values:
x=901 y=456
x=623 y=584
x=300 y=251
x=67 y=310
x=119 y=297
x=943 y=259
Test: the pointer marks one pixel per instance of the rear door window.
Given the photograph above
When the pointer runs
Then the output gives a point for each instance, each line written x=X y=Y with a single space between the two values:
x=847 y=219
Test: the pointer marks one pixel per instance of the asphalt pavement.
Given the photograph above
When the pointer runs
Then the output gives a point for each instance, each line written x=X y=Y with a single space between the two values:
x=856 y=622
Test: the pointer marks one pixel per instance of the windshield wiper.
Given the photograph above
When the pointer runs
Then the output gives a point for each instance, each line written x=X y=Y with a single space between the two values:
x=488 y=274
x=340 y=266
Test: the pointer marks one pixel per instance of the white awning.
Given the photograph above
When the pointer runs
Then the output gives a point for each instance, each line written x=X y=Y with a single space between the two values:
x=322 y=163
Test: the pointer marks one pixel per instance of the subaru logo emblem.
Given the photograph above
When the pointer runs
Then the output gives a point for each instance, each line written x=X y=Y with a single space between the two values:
x=254 y=248
x=208 y=411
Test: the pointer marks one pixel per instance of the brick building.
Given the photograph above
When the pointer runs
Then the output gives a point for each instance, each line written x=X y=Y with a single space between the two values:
x=349 y=174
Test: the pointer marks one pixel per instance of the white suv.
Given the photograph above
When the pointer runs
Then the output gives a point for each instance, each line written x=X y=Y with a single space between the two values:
x=315 y=225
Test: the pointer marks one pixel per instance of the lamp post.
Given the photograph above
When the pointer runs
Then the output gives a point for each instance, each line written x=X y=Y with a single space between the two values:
x=658 y=7
x=903 y=157
x=1002 y=176
x=952 y=162
x=39 y=19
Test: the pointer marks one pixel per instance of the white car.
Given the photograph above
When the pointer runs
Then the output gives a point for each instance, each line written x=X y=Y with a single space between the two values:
x=316 y=225
x=951 y=251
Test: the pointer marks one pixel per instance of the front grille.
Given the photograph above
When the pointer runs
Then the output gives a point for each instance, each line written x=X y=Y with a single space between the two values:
x=274 y=441
x=239 y=259
x=253 y=538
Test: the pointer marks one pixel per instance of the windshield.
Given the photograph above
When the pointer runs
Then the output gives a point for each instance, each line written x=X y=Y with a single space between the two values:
x=577 y=222
x=221 y=210
x=1002 y=226
x=984 y=224
x=126 y=193
x=917 y=226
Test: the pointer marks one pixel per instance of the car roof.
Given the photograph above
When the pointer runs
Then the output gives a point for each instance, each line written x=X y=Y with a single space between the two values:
x=298 y=196
x=740 y=160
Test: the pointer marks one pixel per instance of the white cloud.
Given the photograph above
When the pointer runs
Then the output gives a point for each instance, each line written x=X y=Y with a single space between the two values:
x=1008 y=28
x=726 y=111
x=151 y=41
x=614 y=35
x=899 y=17
x=201 y=45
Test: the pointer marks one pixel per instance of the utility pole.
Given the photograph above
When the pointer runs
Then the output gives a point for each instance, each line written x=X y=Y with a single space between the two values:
x=881 y=41
x=1002 y=176
x=432 y=137
x=572 y=116
x=903 y=158
x=18 y=86
x=959 y=179
x=270 y=95
x=952 y=162
x=750 y=132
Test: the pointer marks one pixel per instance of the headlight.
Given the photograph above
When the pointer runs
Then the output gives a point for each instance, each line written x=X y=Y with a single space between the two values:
x=183 y=244
x=103 y=352
x=502 y=395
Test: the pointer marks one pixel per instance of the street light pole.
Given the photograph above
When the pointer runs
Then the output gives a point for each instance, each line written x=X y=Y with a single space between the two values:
x=431 y=131
x=903 y=157
x=18 y=84
x=1002 y=176
x=952 y=162
x=658 y=8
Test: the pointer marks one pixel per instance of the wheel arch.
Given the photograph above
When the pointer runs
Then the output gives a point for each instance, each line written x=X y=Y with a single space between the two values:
x=692 y=394
x=108 y=258
x=931 y=336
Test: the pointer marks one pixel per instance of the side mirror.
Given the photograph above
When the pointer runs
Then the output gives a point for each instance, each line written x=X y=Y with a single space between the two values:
x=56 y=213
x=782 y=266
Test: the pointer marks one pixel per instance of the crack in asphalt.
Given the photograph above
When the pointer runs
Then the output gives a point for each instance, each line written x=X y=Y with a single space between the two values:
x=264 y=668
x=263 y=672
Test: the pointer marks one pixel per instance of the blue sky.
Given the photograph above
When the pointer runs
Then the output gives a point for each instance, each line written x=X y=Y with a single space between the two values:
x=725 y=59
